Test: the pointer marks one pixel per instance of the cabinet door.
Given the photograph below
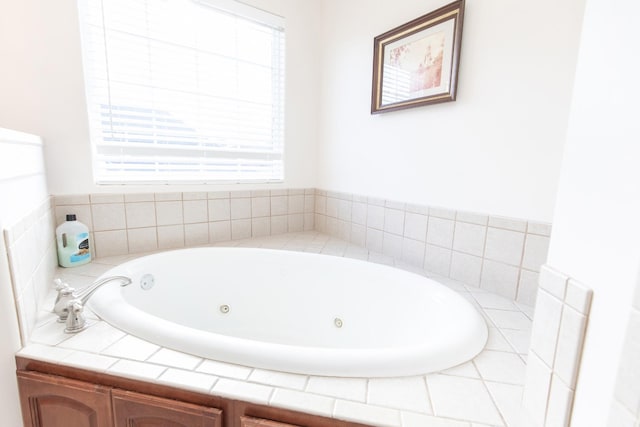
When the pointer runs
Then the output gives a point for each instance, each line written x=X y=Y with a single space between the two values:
x=51 y=401
x=261 y=422
x=139 y=410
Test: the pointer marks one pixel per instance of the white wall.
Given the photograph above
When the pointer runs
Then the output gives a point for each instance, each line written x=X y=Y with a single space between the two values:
x=22 y=189
x=497 y=149
x=596 y=230
x=43 y=91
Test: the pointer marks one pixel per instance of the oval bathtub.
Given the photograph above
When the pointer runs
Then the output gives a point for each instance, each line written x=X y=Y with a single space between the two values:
x=293 y=311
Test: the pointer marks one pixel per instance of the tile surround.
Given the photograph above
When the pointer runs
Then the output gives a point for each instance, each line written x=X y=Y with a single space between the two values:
x=466 y=398
x=131 y=223
x=32 y=262
x=557 y=338
x=461 y=245
x=435 y=399
x=499 y=254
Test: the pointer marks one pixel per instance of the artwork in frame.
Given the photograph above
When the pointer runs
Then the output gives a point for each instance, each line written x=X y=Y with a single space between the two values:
x=417 y=63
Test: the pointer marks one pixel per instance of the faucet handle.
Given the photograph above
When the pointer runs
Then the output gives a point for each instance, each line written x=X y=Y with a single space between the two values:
x=75 y=320
x=63 y=288
x=60 y=285
x=61 y=304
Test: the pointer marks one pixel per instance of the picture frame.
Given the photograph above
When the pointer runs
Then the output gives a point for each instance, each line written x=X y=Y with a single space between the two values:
x=417 y=63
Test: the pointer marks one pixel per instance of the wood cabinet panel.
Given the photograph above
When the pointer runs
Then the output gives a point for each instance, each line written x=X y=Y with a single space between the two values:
x=50 y=401
x=69 y=397
x=261 y=422
x=132 y=409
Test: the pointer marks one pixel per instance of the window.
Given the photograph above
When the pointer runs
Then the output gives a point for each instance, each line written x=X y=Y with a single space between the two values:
x=183 y=90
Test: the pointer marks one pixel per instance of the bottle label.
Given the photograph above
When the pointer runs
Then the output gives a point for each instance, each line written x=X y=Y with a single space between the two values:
x=83 y=253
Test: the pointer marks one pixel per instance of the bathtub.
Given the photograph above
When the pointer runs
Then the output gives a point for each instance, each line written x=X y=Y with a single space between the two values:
x=294 y=312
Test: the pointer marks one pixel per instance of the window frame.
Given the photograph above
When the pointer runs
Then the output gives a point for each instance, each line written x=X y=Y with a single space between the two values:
x=241 y=11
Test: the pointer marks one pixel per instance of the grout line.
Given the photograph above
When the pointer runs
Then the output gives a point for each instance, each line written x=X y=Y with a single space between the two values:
x=215 y=382
x=493 y=399
x=431 y=407
x=366 y=391
x=271 y=394
x=515 y=350
x=166 y=368
x=160 y=348
x=520 y=266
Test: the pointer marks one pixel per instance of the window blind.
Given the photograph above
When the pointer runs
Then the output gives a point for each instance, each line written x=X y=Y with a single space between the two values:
x=183 y=90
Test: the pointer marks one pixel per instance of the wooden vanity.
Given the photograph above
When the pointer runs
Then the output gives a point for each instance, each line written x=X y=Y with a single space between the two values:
x=53 y=395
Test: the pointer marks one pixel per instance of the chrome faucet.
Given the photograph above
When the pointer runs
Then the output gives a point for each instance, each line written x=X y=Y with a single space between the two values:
x=69 y=300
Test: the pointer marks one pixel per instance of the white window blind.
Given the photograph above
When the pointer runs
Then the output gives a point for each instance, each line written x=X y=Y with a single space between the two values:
x=183 y=90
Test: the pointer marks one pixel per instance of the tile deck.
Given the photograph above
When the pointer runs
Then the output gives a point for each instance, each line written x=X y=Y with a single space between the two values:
x=483 y=392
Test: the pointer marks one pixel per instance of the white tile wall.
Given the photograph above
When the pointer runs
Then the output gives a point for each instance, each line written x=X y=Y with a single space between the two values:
x=241 y=208
x=142 y=239
x=374 y=240
x=194 y=196
x=240 y=229
x=170 y=237
x=108 y=216
x=219 y=231
x=260 y=207
x=219 y=210
x=196 y=234
x=536 y=392
x=500 y=278
x=132 y=223
x=32 y=262
x=560 y=403
x=110 y=243
x=466 y=268
x=261 y=227
x=438 y=260
x=469 y=238
x=499 y=254
x=139 y=214
x=557 y=338
x=504 y=246
x=440 y=232
x=460 y=245
x=544 y=334
x=375 y=217
x=169 y=213
x=415 y=226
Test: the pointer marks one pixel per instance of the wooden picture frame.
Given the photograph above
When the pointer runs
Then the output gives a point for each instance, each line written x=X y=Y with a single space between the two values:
x=416 y=63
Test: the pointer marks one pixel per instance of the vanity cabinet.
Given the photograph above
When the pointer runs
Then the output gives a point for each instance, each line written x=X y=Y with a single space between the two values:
x=53 y=395
x=261 y=422
x=139 y=410
x=51 y=401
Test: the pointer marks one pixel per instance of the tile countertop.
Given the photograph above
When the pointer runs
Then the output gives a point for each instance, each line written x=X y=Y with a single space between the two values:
x=483 y=392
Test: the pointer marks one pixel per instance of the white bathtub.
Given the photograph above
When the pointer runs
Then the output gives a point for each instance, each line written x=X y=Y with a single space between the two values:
x=294 y=312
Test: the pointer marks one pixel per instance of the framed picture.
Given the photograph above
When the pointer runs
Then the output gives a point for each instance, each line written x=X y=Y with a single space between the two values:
x=417 y=63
